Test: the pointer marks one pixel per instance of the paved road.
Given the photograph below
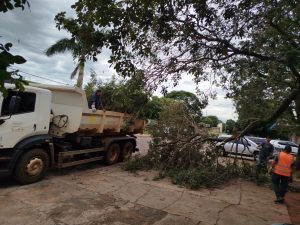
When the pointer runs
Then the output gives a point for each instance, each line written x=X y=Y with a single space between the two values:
x=97 y=195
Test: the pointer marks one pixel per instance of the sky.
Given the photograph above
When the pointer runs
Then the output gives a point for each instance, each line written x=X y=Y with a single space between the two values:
x=33 y=30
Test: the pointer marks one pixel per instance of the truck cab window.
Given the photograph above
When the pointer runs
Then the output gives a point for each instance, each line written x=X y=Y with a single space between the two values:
x=24 y=103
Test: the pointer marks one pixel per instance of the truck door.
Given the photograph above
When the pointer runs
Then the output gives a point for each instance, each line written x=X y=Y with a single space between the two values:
x=19 y=117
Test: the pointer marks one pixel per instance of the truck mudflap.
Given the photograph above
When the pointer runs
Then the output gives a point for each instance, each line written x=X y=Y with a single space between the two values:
x=9 y=157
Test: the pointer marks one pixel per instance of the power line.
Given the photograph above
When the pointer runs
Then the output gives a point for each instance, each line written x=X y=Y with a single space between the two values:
x=44 y=78
x=38 y=76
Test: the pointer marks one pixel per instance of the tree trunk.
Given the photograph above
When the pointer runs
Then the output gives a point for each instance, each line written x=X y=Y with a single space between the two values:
x=80 y=74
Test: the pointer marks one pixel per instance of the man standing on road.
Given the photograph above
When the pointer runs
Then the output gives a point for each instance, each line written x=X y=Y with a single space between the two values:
x=282 y=173
x=266 y=150
x=96 y=102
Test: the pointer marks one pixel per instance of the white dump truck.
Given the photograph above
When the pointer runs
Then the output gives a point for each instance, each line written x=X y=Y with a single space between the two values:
x=49 y=126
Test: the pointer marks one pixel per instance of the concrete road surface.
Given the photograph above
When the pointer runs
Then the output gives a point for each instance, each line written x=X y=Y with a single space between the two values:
x=98 y=195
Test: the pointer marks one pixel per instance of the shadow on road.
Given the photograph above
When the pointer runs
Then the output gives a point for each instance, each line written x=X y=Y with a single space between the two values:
x=9 y=181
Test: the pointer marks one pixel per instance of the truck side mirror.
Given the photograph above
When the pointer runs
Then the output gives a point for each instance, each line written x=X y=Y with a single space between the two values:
x=14 y=104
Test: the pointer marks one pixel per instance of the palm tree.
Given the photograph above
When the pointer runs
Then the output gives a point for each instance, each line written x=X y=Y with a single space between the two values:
x=75 y=47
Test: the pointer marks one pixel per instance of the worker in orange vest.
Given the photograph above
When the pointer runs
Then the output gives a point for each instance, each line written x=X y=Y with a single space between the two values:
x=282 y=173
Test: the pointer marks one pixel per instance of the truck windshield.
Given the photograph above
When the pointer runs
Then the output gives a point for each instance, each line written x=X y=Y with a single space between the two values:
x=26 y=103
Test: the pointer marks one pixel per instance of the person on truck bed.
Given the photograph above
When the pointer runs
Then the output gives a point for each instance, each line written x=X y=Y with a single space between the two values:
x=96 y=102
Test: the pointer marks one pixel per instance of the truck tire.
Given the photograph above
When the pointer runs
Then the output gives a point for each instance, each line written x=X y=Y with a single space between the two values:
x=32 y=166
x=126 y=152
x=112 y=154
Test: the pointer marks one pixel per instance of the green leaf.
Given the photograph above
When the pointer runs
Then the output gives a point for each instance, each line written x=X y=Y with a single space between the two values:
x=4 y=75
x=7 y=46
x=19 y=59
x=9 y=6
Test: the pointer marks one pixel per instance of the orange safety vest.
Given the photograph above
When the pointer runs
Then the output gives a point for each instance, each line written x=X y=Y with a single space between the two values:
x=283 y=166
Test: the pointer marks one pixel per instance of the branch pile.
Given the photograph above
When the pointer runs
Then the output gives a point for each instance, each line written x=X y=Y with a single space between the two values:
x=185 y=153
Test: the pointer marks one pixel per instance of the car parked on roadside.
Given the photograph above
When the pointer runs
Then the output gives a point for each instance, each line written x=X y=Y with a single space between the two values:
x=242 y=147
x=279 y=145
x=257 y=140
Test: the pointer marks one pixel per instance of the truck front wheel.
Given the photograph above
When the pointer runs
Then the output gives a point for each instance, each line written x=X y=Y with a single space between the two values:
x=112 y=154
x=32 y=166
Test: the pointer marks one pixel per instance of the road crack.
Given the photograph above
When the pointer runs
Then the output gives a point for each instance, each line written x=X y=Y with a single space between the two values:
x=146 y=192
x=220 y=212
x=178 y=199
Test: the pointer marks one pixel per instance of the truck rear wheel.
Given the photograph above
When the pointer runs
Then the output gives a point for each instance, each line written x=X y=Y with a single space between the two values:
x=32 y=166
x=126 y=151
x=112 y=154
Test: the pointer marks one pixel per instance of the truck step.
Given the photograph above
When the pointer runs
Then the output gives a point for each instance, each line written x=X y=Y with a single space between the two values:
x=78 y=162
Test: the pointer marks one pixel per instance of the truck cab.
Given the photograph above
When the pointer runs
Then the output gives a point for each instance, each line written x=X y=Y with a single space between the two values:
x=24 y=114
x=24 y=121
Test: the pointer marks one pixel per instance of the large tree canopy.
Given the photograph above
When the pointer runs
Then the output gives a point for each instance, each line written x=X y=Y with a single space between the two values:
x=228 y=41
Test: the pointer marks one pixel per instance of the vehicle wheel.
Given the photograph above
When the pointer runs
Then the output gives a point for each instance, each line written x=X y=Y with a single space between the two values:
x=32 y=166
x=112 y=154
x=126 y=151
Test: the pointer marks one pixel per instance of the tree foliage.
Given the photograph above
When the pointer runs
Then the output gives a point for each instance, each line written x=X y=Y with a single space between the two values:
x=127 y=96
x=213 y=121
x=233 y=40
x=91 y=86
x=6 y=5
x=192 y=102
x=130 y=96
x=256 y=99
x=154 y=107
x=229 y=125
x=6 y=58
